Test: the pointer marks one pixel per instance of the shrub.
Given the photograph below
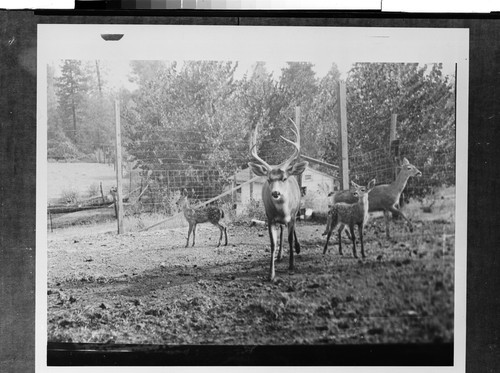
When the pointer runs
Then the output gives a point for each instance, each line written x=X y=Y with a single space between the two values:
x=94 y=190
x=61 y=148
x=70 y=195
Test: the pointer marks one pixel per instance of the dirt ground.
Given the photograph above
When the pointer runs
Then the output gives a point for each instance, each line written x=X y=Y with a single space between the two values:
x=148 y=288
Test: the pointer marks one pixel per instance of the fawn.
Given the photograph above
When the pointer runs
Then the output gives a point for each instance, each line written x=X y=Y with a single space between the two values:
x=201 y=215
x=350 y=214
x=385 y=197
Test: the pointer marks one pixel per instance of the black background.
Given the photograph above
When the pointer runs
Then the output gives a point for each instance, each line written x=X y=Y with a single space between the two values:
x=18 y=188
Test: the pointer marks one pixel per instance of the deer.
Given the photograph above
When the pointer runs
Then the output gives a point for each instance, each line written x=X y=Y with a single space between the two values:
x=385 y=197
x=200 y=215
x=281 y=196
x=350 y=214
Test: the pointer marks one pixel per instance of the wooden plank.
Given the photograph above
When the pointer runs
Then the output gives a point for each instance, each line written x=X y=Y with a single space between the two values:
x=322 y=163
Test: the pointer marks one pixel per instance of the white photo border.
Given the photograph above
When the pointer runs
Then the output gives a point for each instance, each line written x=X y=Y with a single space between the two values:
x=342 y=45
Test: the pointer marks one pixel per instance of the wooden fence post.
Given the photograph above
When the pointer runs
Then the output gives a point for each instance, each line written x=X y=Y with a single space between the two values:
x=119 y=194
x=297 y=122
x=250 y=173
x=102 y=193
x=344 y=154
x=394 y=144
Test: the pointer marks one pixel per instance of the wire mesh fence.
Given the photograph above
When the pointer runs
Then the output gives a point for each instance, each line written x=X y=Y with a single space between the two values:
x=160 y=169
x=425 y=200
x=438 y=168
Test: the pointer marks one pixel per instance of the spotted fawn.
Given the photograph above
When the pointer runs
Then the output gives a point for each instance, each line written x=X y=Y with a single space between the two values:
x=205 y=214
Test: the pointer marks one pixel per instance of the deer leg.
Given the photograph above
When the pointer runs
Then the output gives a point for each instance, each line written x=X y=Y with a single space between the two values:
x=342 y=227
x=222 y=229
x=397 y=212
x=291 y=230
x=329 y=233
x=220 y=236
x=353 y=237
x=273 y=235
x=340 y=240
x=280 y=250
x=297 y=244
x=194 y=232
x=386 y=215
x=189 y=233
x=225 y=234
x=360 y=229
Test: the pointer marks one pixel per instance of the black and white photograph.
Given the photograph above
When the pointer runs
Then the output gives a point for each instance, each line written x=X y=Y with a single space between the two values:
x=251 y=186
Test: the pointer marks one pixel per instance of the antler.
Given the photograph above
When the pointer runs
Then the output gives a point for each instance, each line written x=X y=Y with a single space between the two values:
x=296 y=144
x=284 y=165
x=253 y=151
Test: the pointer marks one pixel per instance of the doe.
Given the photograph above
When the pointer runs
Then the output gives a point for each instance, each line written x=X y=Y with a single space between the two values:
x=385 y=197
x=206 y=214
x=350 y=214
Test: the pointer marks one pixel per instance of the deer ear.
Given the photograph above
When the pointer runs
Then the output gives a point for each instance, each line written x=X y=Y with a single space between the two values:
x=354 y=184
x=258 y=169
x=297 y=168
x=371 y=184
x=405 y=162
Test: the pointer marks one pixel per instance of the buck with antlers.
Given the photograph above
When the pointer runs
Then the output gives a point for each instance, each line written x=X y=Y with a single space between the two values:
x=281 y=196
x=201 y=215
x=385 y=197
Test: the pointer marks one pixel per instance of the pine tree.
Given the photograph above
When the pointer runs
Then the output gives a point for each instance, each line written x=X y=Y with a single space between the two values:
x=72 y=87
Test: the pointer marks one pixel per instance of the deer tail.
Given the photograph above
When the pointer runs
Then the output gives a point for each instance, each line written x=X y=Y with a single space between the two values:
x=221 y=213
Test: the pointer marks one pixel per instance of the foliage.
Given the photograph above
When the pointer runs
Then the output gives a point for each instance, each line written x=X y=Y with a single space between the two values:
x=255 y=210
x=80 y=113
x=183 y=124
x=60 y=147
x=70 y=196
x=94 y=190
x=190 y=122
x=72 y=87
x=423 y=100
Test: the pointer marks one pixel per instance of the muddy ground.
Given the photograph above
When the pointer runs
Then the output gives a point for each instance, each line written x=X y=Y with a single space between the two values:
x=148 y=288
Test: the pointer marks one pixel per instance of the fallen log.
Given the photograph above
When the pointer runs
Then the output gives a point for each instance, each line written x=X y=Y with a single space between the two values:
x=65 y=209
